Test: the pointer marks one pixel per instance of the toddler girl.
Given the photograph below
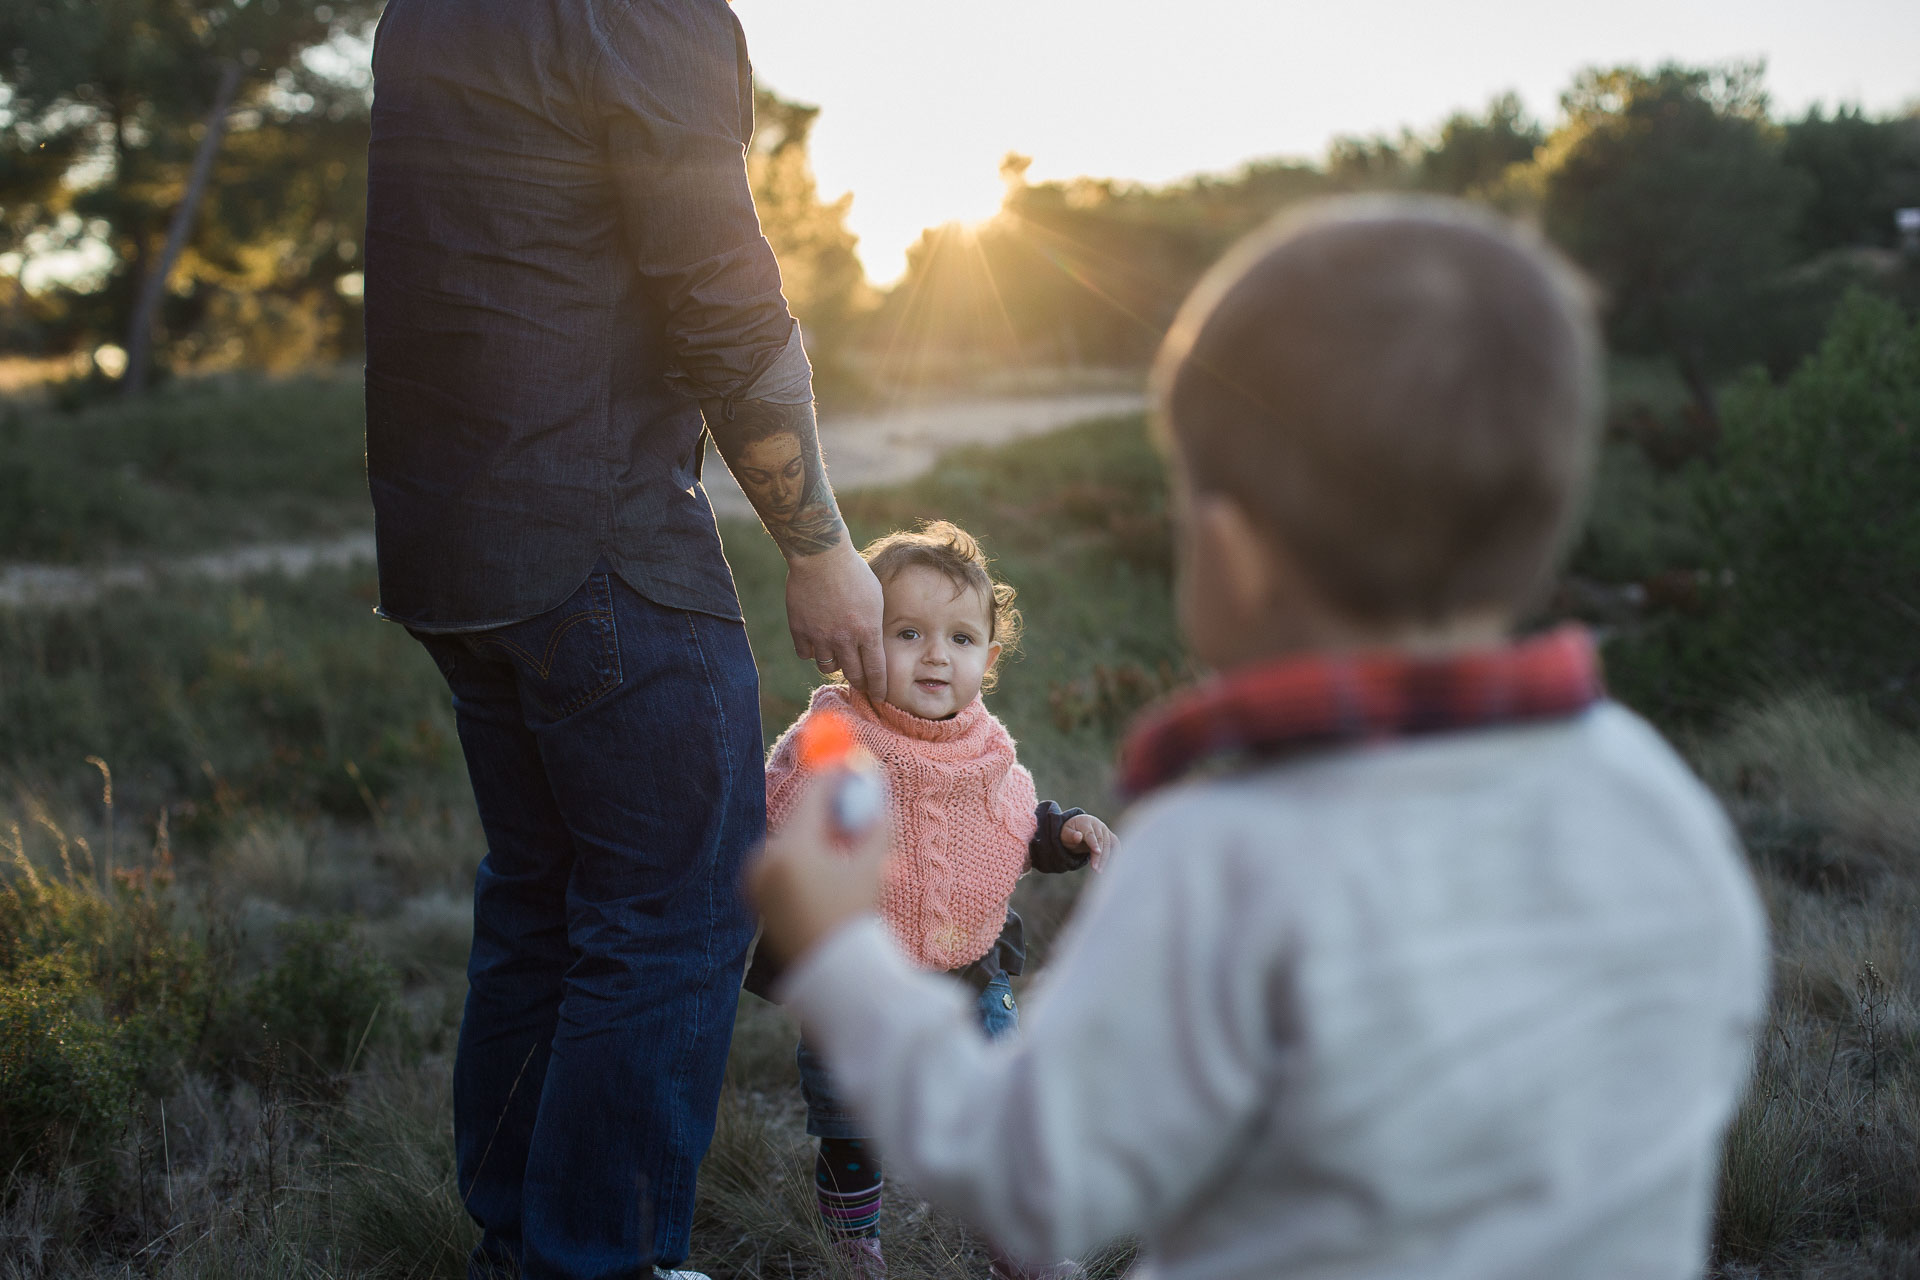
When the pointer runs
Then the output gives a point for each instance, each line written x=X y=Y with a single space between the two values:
x=965 y=826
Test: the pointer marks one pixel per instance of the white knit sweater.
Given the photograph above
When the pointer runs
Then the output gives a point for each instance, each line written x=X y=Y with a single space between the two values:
x=1473 y=1006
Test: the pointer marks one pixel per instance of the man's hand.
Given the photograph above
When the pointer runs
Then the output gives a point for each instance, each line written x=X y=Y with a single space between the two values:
x=809 y=881
x=1083 y=830
x=833 y=610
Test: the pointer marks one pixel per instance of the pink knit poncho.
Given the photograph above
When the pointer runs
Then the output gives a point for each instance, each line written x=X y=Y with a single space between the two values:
x=961 y=811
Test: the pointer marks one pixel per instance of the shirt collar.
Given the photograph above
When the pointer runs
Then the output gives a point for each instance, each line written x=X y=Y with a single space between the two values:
x=1317 y=700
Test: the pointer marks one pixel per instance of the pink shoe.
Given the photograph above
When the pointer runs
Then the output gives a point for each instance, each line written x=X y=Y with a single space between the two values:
x=860 y=1258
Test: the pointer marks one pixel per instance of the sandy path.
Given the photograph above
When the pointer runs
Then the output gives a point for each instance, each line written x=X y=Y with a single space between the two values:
x=862 y=449
x=888 y=447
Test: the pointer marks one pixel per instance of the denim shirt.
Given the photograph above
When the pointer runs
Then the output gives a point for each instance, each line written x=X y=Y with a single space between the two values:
x=562 y=256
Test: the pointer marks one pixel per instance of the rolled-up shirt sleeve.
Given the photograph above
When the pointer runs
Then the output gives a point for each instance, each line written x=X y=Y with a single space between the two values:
x=674 y=92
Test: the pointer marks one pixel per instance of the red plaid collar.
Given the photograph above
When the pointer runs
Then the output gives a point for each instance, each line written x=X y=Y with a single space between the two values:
x=1319 y=699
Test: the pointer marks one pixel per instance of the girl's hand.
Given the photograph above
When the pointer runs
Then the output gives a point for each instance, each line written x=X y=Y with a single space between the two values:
x=809 y=881
x=1086 y=831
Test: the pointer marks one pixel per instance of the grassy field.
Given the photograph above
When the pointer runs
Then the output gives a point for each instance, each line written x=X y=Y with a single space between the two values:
x=238 y=843
x=243 y=806
x=196 y=465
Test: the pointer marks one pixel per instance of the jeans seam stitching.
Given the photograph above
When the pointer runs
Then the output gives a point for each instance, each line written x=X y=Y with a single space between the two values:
x=609 y=648
x=726 y=794
x=543 y=665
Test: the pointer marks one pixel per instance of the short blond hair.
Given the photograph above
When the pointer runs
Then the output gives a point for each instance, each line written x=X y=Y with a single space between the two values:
x=1402 y=392
x=948 y=549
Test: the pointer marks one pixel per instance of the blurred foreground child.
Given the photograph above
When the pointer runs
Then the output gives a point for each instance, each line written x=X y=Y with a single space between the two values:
x=1421 y=958
x=963 y=827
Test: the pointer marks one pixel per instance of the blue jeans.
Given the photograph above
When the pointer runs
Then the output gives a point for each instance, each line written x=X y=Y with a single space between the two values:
x=827 y=1115
x=614 y=750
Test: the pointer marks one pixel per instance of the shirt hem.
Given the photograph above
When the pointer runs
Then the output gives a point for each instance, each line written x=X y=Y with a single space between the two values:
x=470 y=628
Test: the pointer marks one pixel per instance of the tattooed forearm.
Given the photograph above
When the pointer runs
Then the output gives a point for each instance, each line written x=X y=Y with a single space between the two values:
x=773 y=450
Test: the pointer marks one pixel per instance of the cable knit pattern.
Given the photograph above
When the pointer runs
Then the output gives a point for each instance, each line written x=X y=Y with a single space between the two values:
x=961 y=811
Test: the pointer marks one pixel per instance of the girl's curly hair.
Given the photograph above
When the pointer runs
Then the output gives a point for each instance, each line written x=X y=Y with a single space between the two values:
x=954 y=553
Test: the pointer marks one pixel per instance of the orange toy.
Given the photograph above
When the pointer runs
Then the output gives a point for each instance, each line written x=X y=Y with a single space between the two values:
x=827 y=743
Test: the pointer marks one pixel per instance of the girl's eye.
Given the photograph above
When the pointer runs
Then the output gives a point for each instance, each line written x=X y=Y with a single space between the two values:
x=909 y=634
x=963 y=638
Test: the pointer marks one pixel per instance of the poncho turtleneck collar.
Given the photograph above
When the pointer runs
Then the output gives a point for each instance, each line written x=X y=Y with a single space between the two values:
x=962 y=734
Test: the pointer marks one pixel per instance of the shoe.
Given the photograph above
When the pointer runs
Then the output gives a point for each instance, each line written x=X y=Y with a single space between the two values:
x=664 y=1273
x=861 y=1257
x=1004 y=1268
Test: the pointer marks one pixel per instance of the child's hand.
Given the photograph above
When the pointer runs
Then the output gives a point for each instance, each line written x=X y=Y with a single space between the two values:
x=807 y=882
x=1085 y=830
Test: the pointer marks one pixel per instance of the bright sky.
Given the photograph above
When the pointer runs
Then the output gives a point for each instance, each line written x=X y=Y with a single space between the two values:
x=921 y=100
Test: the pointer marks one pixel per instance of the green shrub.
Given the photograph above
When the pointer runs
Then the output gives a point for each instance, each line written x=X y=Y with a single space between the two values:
x=103 y=995
x=315 y=1013
x=1644 y=519
x=1809 y=532
x=127 y=969
x=65 y=1077
x=1814 y=514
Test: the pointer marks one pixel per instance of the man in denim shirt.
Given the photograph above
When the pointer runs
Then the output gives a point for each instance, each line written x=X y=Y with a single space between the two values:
x=566 y=292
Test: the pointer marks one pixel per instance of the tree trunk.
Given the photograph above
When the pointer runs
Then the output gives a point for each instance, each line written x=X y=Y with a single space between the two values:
x=153 y=288
x=123 y=178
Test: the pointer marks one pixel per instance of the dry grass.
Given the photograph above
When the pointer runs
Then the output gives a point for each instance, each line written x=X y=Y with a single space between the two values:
x=756 y=1218
x=1823 y=1161
x=216 y=1182
x=226 y=1178
x=215 y=1176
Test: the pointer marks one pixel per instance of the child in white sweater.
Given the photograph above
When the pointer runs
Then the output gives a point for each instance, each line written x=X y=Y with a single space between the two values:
x=1421 y=959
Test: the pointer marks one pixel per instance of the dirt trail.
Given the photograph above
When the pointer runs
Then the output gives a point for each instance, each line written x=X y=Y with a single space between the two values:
x=863 y=449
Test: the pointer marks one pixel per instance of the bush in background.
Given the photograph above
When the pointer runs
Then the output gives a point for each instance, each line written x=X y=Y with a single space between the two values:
x=108 y=997
x=1807 y=533
x=313 y=1014
x=1815 y=513
x=102 y=996
x=64 y=1076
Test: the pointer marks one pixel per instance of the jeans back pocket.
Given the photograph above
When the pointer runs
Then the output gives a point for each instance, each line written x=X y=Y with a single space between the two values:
x=565 y=659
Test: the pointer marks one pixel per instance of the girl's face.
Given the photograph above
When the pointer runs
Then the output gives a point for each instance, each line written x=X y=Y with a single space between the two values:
x=937 y=644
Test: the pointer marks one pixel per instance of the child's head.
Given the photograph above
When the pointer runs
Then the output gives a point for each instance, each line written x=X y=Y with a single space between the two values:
x=945 y=620
x=1382 y=413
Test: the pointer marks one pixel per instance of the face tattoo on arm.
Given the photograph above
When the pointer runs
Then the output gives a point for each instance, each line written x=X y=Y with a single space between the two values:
x=773 y=450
